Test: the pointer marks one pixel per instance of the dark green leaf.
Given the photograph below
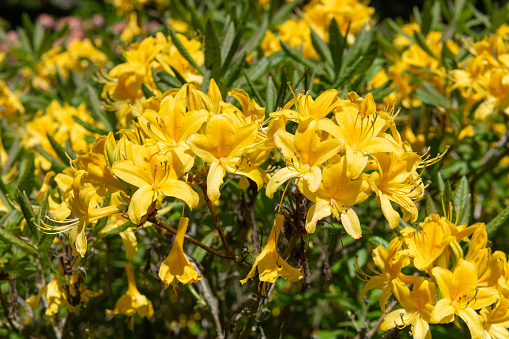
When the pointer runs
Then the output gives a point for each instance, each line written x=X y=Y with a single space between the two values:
x=89 y=127
x=421 y=41
x=498 y=221
x=178 y=75
x=461 y=193
x=336 y=45
x=430 y=96
x=212 y=51
x=431 y=207
x=8 y=237
x=234 y=72
x=182 y=50
x=377 y=241
x=321 y=48
x=270 y=96
x=28 y=212
x=146 y=91
x=169 y=79
x=59 y=150
x=257 y=95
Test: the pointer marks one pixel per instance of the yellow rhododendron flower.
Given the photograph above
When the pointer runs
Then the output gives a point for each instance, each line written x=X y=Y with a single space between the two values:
x=154 y=175
x=170 y=127
x=9 y=102
x=176 y=267
x=78 y=199
x=132 y=301
x=461 y=296
x=304 y=153
x=417 y=306
x=336 y=195
x=269 y=263
x=222 y=147
x=59 y=293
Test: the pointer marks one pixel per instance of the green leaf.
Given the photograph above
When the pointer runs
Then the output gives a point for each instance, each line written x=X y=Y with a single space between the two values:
x=89 y=127
x=396 y=29
x=28 y=212
x=257 y=95
x=179 y=76
x=12 y=220
x=57 y=164
x=421 y=41
x=227 y=42
x=212 y=50
x=117 y=230
x=461 y=193
x=59 y=150
x=321 y=47
x=430 y=96
x=292 y=53
x=336 y=45
x=198 y=252
x=498 y=221
x=8 y=237
x=270 y=96
x=431 y=207
x=182 y=50
x=234 y=72
x=283 y=13
x=441 y=185
x=97 y=109
x=377 y=241
x=5 y=194
x=146 y=91
x=26 y=179
x=281 y=93
x=256 y=39
x=448 y=197
x=169 y=79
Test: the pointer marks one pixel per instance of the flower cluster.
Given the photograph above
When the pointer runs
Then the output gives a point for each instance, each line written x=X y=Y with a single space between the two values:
x=447 y=283
x=350 y=16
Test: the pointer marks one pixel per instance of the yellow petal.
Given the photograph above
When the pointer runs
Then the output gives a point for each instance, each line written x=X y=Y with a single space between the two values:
x=180 y=190
x=140 y=202
x=215 y=180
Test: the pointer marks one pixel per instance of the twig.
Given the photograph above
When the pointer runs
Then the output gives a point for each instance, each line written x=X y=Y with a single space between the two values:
x=228 y=250
x=373 y=330
x=6 y=311
x=162 y=224
x=253 y=192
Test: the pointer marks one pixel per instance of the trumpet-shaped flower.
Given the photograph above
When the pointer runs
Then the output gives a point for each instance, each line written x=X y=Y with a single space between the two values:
x=78 y=201
x=336 y=195
x=495 y=319
x=397 y=181
x=176 y=267
x=153 y=175
x=428 y=243
x=461 y=296
x=390 y=265
x=269 y=263
x=222 y=146
x=362 y=132
x=304 y=153
x=58 y=293
x=171 y=126
x=133 y=301
x=417 y=306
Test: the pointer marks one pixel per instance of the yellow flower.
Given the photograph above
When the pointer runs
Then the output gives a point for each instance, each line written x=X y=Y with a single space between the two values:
x=59 y=293
x=336 y=195
x=78 y=201
x=428 y=243
x=307 y=108
x=269 y=263
x=304 y=153
x=94 y=163
x=362 y=131
x=9 y=102
x=398 y=181
x=461 y=296
x=390 y=264
x=176 y=267
x=222 y=146
x=495 y=320
x=171 y=126
x=417 y=306
x=154 y=175
x=133 y=301
x=132 y=28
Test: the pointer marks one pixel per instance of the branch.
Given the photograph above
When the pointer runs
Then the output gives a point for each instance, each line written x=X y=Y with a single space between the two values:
x=229 y=251
x=158 y=222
